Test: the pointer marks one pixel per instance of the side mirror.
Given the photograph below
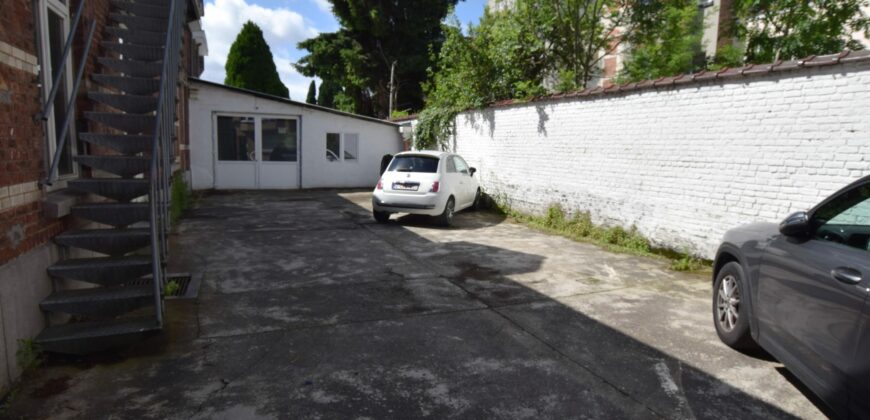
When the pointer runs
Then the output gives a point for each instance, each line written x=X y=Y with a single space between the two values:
x=797 y=224
x=472 y=170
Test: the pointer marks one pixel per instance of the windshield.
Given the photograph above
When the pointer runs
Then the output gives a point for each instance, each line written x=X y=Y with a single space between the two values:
x=426 y=164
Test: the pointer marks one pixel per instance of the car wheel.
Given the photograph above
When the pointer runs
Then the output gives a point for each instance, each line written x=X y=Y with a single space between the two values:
x=446 y=217
x=476 y=204
x=381 y=216
x=730 y=313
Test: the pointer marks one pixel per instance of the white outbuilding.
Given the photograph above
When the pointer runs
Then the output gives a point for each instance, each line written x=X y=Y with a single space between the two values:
x=240 y=139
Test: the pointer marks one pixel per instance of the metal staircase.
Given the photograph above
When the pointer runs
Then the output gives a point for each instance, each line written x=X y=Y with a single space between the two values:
x=141 y=64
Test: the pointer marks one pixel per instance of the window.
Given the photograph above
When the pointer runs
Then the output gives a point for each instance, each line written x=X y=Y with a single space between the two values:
x=846 y=219
x=279 y=140
x=342 y=147
x=236 y=138
x=411 y=163
x=333 y=147
x=54 y=24
x=461 y=166
x=351 y=146
x=451 y=167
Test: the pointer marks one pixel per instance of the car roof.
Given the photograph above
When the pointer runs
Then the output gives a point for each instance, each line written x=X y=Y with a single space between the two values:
x=433 y=153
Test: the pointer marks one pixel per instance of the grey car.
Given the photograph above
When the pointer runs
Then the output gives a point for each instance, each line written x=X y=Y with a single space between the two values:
x=799 y=290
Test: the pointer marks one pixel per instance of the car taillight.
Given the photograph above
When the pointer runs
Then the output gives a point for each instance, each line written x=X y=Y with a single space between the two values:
x=435 y=186
x=380 y=184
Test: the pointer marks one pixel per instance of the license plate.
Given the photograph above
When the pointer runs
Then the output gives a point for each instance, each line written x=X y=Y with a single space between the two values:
x=405 y=187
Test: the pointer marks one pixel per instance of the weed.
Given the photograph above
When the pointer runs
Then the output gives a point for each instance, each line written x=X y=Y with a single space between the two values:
x=170 y=288
x=181 y=199
x=581 y=228
x=688 y=263
x=28 y=355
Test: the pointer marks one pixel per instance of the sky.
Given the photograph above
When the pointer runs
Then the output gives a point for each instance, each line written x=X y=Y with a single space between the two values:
x=284 y=23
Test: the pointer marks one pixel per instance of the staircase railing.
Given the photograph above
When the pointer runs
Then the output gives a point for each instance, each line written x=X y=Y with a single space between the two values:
x=48 y=107
x=161 y=155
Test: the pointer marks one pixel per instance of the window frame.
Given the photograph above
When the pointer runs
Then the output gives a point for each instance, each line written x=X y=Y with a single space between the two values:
x=816 y=224
x=342 y=141
x=61 y=9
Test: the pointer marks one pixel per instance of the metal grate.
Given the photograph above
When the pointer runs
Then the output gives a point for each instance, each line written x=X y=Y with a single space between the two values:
x=188 y=287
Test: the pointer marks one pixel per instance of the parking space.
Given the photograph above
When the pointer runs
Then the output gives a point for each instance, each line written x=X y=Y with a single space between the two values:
x=309 y=309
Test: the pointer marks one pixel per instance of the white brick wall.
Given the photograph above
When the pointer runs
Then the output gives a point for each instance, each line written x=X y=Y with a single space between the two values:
x=683 y=164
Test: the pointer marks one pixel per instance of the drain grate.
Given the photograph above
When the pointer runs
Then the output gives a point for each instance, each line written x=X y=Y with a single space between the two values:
x=187 y=286
x=183 y=281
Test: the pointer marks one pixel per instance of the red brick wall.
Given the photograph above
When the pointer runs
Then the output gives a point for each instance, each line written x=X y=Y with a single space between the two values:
x=16 y=24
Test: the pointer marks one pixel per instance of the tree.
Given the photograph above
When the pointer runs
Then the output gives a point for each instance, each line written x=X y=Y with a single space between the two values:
x=312 y=93
x=326 y=96
x=373 y=35
x=786 y=29
x=665 y=41
x=250 y=64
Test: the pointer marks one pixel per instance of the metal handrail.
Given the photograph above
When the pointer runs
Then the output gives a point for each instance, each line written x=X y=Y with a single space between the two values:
x=46 y=109
x=58 y=151
x=162 y=151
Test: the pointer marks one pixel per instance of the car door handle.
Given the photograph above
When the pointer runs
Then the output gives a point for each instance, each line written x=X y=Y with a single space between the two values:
x=847 y=275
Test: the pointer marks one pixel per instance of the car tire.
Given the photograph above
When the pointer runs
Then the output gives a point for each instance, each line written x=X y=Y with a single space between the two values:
x=381 y=216
x=446 y=217
x=730 y=307
x=476 y=204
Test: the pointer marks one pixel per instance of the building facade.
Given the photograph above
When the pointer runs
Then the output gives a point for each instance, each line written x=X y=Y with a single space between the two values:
x=83 y=77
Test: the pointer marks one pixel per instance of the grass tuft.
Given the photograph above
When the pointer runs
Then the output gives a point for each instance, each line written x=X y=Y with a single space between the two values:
x=580 y=227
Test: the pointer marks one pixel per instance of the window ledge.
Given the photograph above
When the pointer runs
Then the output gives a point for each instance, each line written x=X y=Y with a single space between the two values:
x=57 y=204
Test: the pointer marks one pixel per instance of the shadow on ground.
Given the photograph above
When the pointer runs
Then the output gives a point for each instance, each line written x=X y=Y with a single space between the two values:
x=309 y=309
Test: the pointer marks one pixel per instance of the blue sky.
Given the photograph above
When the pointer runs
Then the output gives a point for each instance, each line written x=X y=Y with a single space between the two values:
x=284 y=24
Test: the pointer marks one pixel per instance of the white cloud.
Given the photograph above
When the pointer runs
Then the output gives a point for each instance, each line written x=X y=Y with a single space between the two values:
x=282 y=28
x=323 y=5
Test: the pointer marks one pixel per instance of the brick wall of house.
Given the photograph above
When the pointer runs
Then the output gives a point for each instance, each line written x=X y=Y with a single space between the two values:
x=682 y=163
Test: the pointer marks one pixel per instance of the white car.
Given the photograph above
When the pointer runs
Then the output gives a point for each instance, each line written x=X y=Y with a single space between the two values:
x=430 y=183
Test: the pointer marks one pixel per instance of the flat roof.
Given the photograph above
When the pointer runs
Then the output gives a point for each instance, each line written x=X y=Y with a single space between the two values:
x=291 y=102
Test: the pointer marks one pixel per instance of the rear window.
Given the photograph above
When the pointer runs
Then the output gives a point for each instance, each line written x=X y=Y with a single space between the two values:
x=414 y=164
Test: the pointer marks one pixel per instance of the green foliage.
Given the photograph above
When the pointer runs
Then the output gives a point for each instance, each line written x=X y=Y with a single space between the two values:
x=580 y=227
x=688 y=263
x=312 y=93
x=250 y=64
x=373 y=35
x=786 y=29
x=29 y=355
x=727 y=55
x=668 y=44
x=180 y=199
x=170 y=288
x=326 y=96
x=399 y=113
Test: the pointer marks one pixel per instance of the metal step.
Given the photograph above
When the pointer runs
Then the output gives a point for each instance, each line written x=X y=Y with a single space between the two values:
x=114 y=242
x=123 y=166
x=99 y=301
x=105 y=271
x=132 y=85
x=126 y=144
x=135 y=104
x=89 y=337
x=114 y=188
x=133 y=67
x=131 y=123
x=113 y=214
x=138 y=23
x=142 y=9
x=138 y=37
x=136 y=52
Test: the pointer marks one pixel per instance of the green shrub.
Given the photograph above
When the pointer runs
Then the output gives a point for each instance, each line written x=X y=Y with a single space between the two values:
x=170 y=288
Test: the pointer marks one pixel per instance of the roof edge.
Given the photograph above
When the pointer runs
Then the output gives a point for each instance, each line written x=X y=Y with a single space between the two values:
x=291 y=102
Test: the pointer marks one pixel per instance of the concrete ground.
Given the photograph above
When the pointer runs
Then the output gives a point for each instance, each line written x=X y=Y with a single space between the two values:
x=308 y=309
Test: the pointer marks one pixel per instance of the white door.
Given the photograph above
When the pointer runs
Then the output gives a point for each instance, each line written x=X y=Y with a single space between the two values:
x=256 y=152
